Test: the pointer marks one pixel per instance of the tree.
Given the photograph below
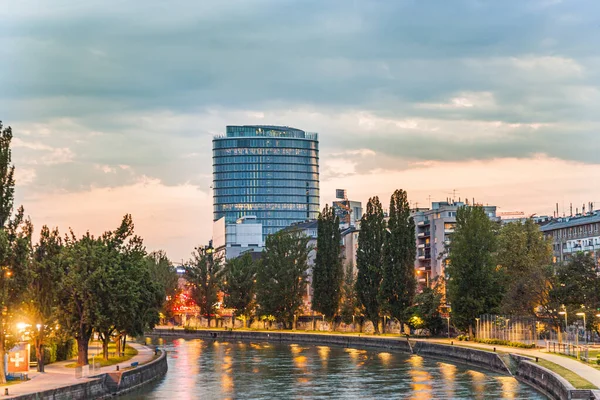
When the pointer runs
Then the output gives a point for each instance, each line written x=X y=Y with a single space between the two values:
x=162 y=272
x=398 y=276
x=578 y=287
x=43 y=290
x=328 y=271
x=348 y=308
x=427 y=310
x=525 y=257
x=15 y=244
x=369 y=260
x=239 y=282
x=474 y=283
x=83 y=275
x=203 y=275
x=281 y=275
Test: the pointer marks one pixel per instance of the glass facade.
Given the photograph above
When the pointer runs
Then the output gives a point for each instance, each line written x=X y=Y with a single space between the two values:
x=271 y=172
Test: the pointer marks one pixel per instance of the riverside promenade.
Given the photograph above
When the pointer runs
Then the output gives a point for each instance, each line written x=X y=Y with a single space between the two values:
x=57 y=375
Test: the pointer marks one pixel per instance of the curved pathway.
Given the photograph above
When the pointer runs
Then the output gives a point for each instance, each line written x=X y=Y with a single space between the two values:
x=58 y=375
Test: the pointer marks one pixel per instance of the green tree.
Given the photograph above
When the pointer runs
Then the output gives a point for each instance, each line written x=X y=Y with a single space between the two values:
x=369 y=260
x=427 y=310
x=162 y=272
x=328 y=271
x=281 y=275
x=239 y=283
x=15 y=244
x=577 y=288
x=83 y=275
x=474 y=283
x=43 y=290
x=525 y=257
x=203 y=274
x=348 y=308
x=398 y=276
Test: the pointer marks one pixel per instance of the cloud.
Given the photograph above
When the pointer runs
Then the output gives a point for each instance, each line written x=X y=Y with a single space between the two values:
x=104 y=95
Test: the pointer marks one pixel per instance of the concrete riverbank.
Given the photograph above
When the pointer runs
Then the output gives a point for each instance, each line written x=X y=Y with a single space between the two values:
x=59 y=382
x=521 y=368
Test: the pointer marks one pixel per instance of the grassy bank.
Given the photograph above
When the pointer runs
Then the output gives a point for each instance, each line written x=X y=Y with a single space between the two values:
x=130 y=352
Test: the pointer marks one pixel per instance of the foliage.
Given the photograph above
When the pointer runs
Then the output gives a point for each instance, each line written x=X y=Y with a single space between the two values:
x=162 y=272
x=398 y=284
x=427 y=305
x=239 y=282
x=349 y=306
x=577 y=287
x=525 y=257
x=203 y=275
x=15 y=244
x=328 y=271
x=474 y=282
x=498 y=342
x=41 y=300
x=281 y=275
x=370 y=259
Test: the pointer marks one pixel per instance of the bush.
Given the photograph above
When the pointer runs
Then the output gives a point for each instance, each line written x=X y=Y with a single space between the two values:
x=499 y=342
x=189 y=329
x=598 y=361
x=463 y=337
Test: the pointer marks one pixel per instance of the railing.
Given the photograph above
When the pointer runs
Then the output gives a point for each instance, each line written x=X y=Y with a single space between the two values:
x=569 y=349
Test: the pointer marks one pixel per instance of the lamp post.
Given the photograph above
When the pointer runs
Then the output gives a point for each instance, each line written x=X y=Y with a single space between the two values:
x=477 y=327
x=565 y=314
x=448 y=318
x=582 y=314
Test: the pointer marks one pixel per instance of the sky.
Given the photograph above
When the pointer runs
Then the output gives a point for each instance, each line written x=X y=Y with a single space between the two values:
x=113 y=104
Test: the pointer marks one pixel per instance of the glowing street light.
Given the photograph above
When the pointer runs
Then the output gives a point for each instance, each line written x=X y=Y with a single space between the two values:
x=582 y=314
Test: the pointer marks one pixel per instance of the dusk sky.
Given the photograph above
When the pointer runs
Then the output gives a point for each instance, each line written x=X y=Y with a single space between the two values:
x=114 y=104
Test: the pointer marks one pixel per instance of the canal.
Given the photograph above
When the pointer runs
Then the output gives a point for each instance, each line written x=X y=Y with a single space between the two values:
x=206 y=369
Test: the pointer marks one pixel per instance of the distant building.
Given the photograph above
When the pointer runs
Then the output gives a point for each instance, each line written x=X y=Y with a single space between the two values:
x=267 y=172
x=349 y=212
x=233 y=240
x=569 y=235
x=434 y=228
x=308 y=229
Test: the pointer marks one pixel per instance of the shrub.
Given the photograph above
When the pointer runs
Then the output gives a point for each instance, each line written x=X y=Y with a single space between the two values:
x=499 y=342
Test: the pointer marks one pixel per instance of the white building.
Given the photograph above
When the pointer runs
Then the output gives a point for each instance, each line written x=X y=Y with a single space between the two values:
x=569 y=235
x=231 y=240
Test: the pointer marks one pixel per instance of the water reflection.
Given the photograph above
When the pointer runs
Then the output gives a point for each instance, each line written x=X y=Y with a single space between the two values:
x=244 y=370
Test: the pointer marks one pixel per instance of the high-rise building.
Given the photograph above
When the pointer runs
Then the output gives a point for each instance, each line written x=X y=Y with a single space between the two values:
x=434 y=229
x=569 y=235
x=268 y=172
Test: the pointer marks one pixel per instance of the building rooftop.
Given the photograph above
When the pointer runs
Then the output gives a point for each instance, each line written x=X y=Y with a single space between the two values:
x=236 y=131
x=568 y=222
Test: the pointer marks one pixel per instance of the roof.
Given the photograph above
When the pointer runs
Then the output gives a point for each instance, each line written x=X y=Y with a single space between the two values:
x=568 y=222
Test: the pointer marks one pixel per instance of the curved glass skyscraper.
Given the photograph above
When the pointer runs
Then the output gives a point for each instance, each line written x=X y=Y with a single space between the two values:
x=271 y=172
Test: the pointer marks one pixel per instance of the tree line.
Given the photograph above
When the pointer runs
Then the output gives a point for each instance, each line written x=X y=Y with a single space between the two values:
x=508 y=269
x=273 y=287
x=68 y=287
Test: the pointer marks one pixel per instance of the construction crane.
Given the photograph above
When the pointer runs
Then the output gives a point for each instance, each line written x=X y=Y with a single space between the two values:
x=511 y=214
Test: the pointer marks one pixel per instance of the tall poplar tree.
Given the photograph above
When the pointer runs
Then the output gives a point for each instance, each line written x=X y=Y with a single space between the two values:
x=398 y=281
x=369 y=261
x=474 y=284
x=328 y=271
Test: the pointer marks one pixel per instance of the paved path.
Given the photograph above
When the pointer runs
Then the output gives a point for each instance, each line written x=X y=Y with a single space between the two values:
x=585 y=371
x=58 y=375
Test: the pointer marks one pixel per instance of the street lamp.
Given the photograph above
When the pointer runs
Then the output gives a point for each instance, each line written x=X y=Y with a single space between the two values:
x=477 y=327
x=448 y=318
x=582 y=314
x=565 y=314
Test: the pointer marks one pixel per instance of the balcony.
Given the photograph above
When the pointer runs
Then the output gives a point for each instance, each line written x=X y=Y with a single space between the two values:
x=421 y=246
x=424 y=234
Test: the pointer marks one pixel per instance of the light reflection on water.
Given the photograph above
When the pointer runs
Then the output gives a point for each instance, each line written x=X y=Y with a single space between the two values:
x=209 y=369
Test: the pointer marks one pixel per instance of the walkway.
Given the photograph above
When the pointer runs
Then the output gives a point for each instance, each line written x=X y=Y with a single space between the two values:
x=585 y=371
x=58 y=375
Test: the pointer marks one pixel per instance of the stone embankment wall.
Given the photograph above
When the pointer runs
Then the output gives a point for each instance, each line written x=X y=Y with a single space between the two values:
x=478 y=358
x=107 y=385
x=548 y=382
x=292 y=337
